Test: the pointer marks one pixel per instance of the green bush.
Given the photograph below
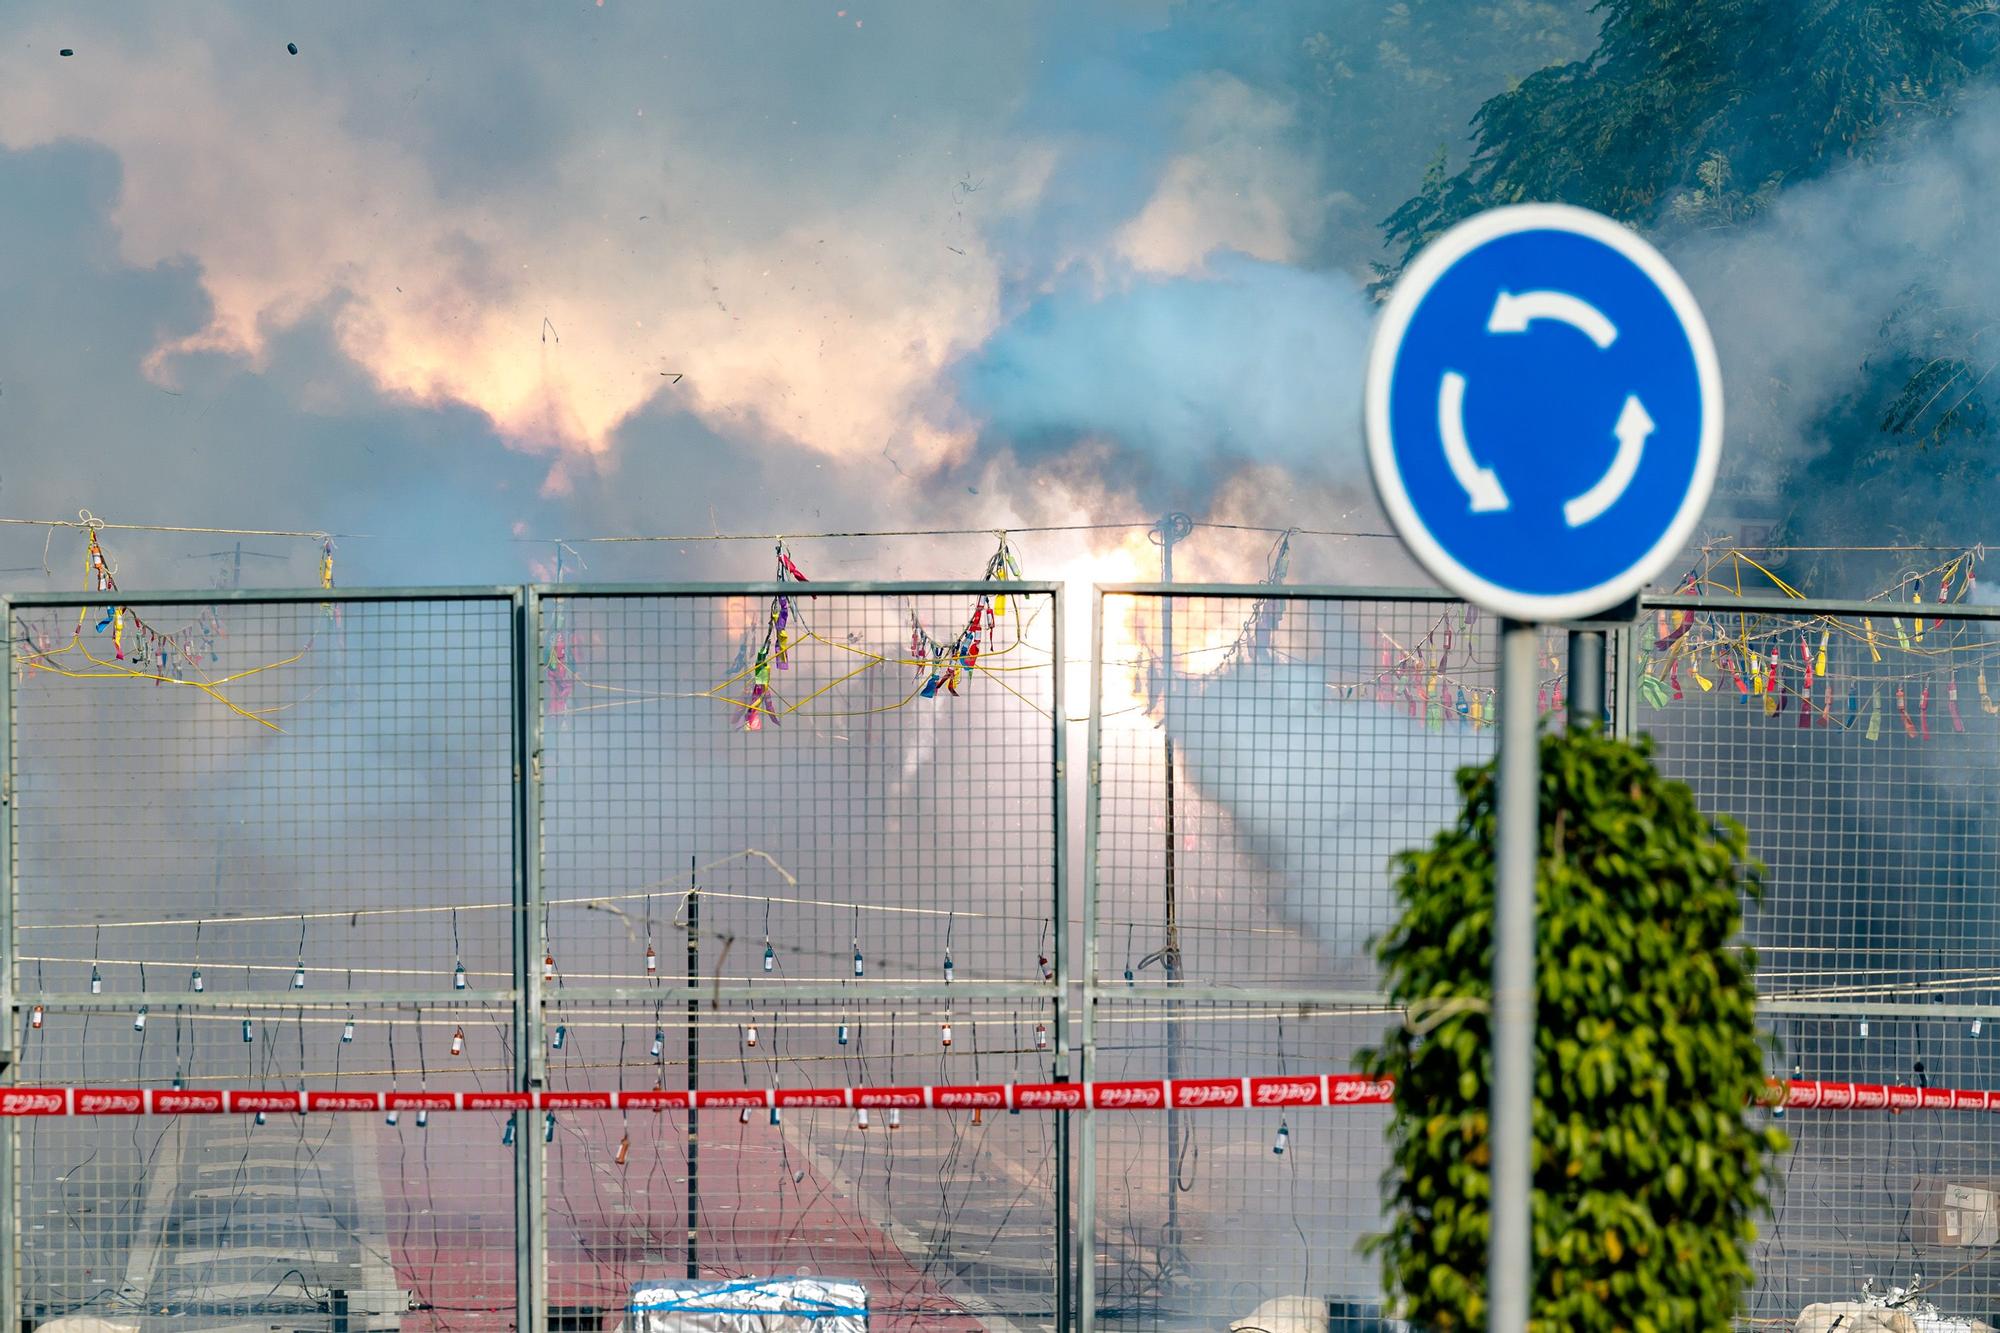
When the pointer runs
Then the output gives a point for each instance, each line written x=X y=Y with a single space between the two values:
x=1648 y=1170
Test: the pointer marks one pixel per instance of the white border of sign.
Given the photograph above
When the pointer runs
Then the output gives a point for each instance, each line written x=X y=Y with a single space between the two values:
x=1432 y=264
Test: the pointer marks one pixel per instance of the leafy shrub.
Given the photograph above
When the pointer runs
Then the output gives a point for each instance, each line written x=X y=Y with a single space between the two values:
x=1648 y=1168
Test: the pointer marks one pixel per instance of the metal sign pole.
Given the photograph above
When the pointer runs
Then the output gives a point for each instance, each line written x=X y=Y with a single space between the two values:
x=1586 y=678
x=1508 y=1272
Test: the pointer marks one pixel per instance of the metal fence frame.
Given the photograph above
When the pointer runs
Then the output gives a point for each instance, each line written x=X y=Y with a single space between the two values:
x=1093 y=989
x=524 y=997
x=1074 y=993
x=1628 y=669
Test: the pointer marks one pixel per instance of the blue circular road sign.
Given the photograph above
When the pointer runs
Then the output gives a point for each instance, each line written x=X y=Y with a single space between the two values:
x=1543 y=411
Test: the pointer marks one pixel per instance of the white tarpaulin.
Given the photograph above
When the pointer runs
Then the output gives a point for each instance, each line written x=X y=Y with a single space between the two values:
x=750 y=1305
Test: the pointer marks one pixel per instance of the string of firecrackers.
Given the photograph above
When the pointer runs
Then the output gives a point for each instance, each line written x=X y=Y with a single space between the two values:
x=559 y=656
x=942 y=666
x=332 y=609
x=1418 y=678
x=1253 y=639
x=751 y=691
x=1281 y=1092
x=1276 y=1093
x=775 y=650
x=1758 y=662
x=165 y=657
x=937 y=665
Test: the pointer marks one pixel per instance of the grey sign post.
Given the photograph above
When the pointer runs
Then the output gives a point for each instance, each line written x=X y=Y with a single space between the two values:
x=1543 y=414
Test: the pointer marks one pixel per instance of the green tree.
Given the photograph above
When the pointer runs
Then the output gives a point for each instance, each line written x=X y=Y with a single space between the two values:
x=1702 y=108
x=1696 y=113
x=1648 y=1168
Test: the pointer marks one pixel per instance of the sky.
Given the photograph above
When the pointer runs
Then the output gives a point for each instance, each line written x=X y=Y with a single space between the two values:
x=444 y=280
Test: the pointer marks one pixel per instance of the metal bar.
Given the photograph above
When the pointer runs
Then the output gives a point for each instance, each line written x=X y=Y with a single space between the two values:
x=1859 y=1009
x=1509 y=1252
x=212 y=596
x=693 y=1070
x=1812 y=606
x=1304 y=1000
x=1625 y=704
x=497 y=592
x=530 y=1220
x=10 y=1011
x=437 y=1002
x=1586 y=678
x=768 y=993
x=1296 y=997
x=1059 y=796
x=8 y=942
x=1170 y=951
x=1309 y=592
x=1084 y=1255
x=771 y=588
x=1300 y=592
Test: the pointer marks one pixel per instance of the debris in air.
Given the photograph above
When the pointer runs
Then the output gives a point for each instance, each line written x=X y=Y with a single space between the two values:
x=66 y=51
x=293 y=47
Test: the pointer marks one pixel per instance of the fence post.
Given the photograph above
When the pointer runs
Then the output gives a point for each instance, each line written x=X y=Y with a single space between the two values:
x=10 y=1185
x=531 y=1296
x=1084 y=1252
x=1065 y=1236
x=1586 y=678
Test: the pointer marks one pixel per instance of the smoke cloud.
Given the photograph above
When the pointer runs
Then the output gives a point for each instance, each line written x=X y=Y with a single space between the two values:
x=1884 y=258
x=1319 y=785
x=1193 y=376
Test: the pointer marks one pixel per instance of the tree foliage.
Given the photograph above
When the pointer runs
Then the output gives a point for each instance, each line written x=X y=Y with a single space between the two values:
x=1695 y=114
x=1648 y=1170
x=1705 y=107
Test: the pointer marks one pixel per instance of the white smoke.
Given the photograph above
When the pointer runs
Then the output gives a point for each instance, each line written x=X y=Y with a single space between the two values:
x=1323 y=788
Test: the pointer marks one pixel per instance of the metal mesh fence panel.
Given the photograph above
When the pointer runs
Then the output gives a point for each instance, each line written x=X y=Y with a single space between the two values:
x=844 y=813
x=1857 y=744
x=805 y=838
x=264 y=844
x=948 y=1219
x=286 y=797
x=786 y=843
x=1252 y=1204
x=208 y=1221
x=1871 y=1198
x=1260 y=757
x=1311 y=739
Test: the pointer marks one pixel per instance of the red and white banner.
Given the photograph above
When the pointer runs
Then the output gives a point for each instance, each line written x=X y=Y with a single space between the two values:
x=1190 y=1094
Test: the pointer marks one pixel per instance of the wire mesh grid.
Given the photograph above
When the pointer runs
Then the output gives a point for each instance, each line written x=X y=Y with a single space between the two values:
x=326 y=791
x=788 y=841
x=283 y=798
x=1237 y=1207
x=1261 y=756
x=1877 y=1198
x=204 y=1221
x=948 y=1219
x=1311 y=738
x=277 y=845
x=1860 y=752
x=846 y=829
x=264 y=845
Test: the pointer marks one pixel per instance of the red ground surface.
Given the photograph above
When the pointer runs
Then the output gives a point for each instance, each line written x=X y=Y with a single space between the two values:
x=451 y=1224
